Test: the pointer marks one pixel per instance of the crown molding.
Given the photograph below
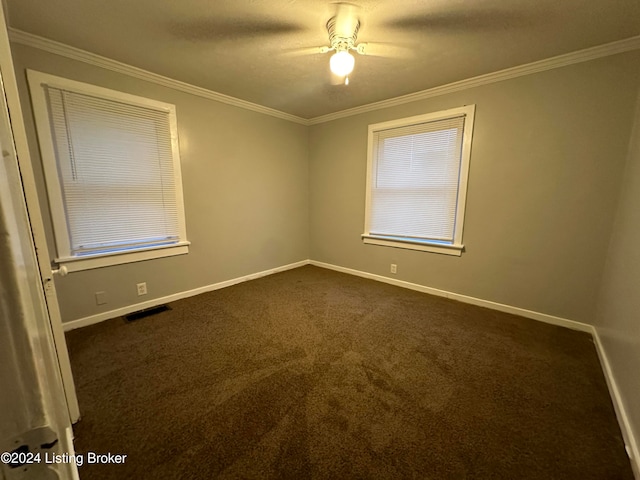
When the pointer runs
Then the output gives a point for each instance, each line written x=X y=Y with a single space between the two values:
x=57 y=48
x=51 y=46
x=621 y=46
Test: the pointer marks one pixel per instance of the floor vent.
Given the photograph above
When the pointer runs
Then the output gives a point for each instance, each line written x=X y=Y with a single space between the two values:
x=146 y=312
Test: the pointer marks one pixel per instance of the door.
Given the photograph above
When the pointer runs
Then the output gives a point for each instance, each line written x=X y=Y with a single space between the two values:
x=14 y=144
x=35 y=428
x=34 y=424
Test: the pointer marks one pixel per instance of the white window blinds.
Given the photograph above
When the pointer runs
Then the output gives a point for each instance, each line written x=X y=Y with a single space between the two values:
x=116 y=172
x=416 y=179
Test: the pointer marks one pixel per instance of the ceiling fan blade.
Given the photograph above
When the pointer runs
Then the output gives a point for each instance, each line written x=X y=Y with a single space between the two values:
x=377 y=49
x=302 y=52
x=467 y=21
x=214 y=29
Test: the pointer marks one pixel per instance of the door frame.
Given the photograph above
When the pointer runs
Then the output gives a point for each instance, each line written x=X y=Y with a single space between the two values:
x=34 y=408
x=21 y=146
x=33 y=398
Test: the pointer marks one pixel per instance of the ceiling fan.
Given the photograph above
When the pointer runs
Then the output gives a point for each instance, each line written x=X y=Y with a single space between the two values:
x=344 y=25
x=343 y=32
x=343 y=29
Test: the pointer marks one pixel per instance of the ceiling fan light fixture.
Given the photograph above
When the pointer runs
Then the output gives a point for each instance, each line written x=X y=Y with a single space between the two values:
x=342 y=63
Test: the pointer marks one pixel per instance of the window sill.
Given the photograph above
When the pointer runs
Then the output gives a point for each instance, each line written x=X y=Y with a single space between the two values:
x=423 y=246
x=75 y=264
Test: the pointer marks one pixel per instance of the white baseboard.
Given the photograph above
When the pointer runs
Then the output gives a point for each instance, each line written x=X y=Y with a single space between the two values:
x=543 y=317
x=621 y=412
x=623 y=418
x=118 y=312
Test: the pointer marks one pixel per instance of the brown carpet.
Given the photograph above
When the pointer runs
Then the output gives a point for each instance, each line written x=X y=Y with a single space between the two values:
x=316 y=374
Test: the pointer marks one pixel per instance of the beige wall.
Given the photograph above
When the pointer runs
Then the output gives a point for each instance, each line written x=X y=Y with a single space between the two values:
x=547 y=160
x=245 y=178
x=618 y=317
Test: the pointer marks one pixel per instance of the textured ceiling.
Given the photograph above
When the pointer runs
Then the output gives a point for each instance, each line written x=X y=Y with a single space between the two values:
x=249 y=49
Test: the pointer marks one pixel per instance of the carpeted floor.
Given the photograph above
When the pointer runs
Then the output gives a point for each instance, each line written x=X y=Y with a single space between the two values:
x=316 y=374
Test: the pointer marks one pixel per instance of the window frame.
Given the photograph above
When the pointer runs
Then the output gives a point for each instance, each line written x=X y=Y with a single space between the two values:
x=38 y=83
x=425 y=245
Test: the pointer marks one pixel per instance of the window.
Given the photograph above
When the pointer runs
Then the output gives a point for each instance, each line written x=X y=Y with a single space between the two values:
x=112 y=169
x=417 y=179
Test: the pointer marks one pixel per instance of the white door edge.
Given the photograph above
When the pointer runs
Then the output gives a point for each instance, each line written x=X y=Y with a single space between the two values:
x=19 y=142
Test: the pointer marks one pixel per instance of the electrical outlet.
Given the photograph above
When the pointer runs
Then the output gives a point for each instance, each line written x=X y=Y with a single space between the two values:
x=142 y=288
x=101 y=298
x=394 y=268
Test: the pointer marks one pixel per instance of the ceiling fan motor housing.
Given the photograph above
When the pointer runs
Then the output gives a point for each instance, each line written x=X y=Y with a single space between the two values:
x=343 y=32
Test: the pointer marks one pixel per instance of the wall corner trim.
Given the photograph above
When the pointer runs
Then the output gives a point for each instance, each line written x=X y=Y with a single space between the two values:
x=592 y=53
x=57 y=48
x=628 y=435
x=613 y=48
x=118 y=312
